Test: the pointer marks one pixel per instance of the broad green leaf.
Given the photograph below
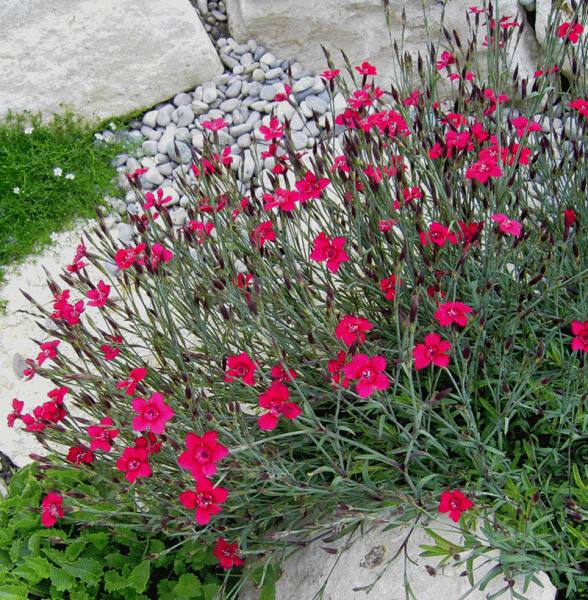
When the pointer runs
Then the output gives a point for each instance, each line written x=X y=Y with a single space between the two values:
x=210 y=590
x=74 y=549
x=140 y=576
x=188 y=585
x=60 y=578
x=13 y=592
x=114 y=581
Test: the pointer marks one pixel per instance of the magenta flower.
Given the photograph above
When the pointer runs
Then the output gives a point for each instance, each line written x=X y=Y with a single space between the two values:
x=336 y=366
x=571 y=30
x=389 y=286
x=310 y=186
x=52 y=509
x=263 y=233
x=329 y=250
x=241 y=366
x=111 y=352
x=483 y=170
x=507 y=225
x=134 y=462
x=48 y=350
x=580 y=330
x=433 y=350
x=103 y=435
x=215 y=125
x=201 y=455
x=275 y=131
x=366 y=69
x=369 y=371
x=153 y=413
x=125 y=257
x=352 y=328
x=227 y=554
x=454 y=503
x=452 y=312
x=98 y=296
x=205 y=500
x=160 y=254
x=135 y=376
x=276 y=401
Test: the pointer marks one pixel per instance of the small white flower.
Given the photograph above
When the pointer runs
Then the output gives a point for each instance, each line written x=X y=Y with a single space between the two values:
x=28 y=130
x=112 y=126
x=70 y=176
x=58 y=171
x=99 y=137
x=16 y=190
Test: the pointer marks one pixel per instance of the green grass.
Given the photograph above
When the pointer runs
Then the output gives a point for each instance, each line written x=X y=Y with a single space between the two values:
x=34 y=201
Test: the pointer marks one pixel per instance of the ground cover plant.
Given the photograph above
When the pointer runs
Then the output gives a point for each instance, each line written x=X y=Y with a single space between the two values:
x=50 y=173
x=396 y=324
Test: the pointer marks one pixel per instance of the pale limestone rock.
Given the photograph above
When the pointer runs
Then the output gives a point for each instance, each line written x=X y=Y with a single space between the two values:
x=100 y=59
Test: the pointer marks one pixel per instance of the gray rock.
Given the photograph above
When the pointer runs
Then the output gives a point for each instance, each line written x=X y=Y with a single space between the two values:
x=166 y=168
x=182 y=155
x=149 y=147
x=221 y=79
x=259 y=105
x=234 y=89
x=296 y=122
x=240 y=115
x=258 y=52
x=228 y=61
x=178 y=216
x=229 y=105
x=124 y=232
x=240 y=49
x=312 y=129
x=199 y=107
x=299 y=140
x=182 y=99
x=248 y=166
x=244 y=141
x=276 y=73
x=184 y=115
x=238 y=130
x=198 y=139
x=303 y=84
x=164 y=115
x=19 y=365
x=150 y=118
x=218 y=15
x=267 y=59
x=167 y=137
x=209 y=92
x=153 y=176
x=268 y=92
x=183 y=134
x=316 y=104
x=258 y=75
x=246 y=59
x=254 y=88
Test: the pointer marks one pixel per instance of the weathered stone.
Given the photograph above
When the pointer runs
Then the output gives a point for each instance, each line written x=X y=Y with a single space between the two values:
x=100 y=59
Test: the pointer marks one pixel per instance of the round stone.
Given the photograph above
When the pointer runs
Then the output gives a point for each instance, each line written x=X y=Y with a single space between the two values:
x=234 y=89
x=244 y=141
x=303 y=84
x=184 y=115
x=299 y=140
x=274 y=74
x=254 y=88
x=182 y=99
x=199 y=107
x=229 y=105
x=229 y=61
x=268 y=92
x=149 y=147
x=179 y=152
x=209 y=93
x=316 y=104
x=218 y=15
x=154 y=176
x=248 y=167
x=164 y=115
x=150 y=118
x=258 y=75
x=267 y=59
x=246 y=59
x=239 y=130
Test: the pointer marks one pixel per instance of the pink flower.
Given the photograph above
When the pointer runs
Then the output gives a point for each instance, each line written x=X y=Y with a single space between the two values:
x=135 y=376
x=52 y=509
x=111 y=352
x=201 y=455
x=102 y=435
x=569 y=220
x=152 y=201
x=125 y=257
x=76 y=266
x=572 y=31
x=438 y=234
x=310 y=186
x=48 y=350
x=153 y=413
x=330 y=75
x=215 y=125
x=17 y=407
x=276 y=401
x=483 y=170
x=389 y=286
x=366 y=69
x=352 y=328
x=454 y=503
x=71 y=313
x=581 y=106
x=274 y=131
x=329 y=250
x=98 y=296
x=263 y=233
x=369 y=371
x=241 y=366
x=160 y=254
x=134 y=462
x=506 y=225
x=452 y=312
x=227 y=554
x=205 y=500
x=280 y=375
x=336 y=366
x=433 y=350
x=446 y=59
x=580 y=330
x=149 y=442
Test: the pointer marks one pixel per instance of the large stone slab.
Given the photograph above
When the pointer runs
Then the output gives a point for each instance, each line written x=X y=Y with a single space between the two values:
x=372 y=567
x=100 y=59
x=297 y=28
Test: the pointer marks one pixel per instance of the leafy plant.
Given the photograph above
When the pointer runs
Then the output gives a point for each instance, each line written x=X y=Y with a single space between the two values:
x=395 y=322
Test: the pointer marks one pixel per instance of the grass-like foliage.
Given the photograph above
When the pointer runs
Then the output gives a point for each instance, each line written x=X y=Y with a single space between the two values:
x=397 y=324
x=50 y=173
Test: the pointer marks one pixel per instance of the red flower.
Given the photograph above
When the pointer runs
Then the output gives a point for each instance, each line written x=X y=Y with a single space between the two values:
x=134 y=462
x=111 y=352
x=285 y=199
x=329 y=250
x=135 y=376
x=102 y=434
x=389 y=286
x=243 y=280
x=263 y=233
x=98 y=296
x=280 y=376
x=201 y=455
x=17 y=407
x=330 y=75
x=241 y=366
x=76 y=266
x=433 y=350
x=155 y=202
x=80 y=252
x=80 y=455
x=369 y=371
x=70 y=313
x=215 y=125
x=227 y=554
x=438 y=234
x=581 y=106
x=310 y=186
x=454 y=503
x=366 y=69
x=452 y=312
x=387 y=226
x=276 y=400
x=352 y=328
x=580 y=330
x=48 y=350
x=506 y=225
x=125 y=257
x=483 y=170
x=52 y=509
x=205 y=500
x=572 y=31
x=569 y=220
x=336 y=366
x=153 y=413
x=274 y=131
x=446 y=59
x=160 y=254
x=201 y=230
x=149 y=442
x=283 y=95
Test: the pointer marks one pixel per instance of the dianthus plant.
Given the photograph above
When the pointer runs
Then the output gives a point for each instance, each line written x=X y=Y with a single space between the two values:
x=393 y=321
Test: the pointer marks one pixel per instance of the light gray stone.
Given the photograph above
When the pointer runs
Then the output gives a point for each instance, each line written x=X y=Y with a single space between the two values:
x=229 y=105
x=150 y=118
x=247 y=167
x=199 y=107
x=296 y=123
x=268 y=92
x=209 y=92
x=164 y=115
x=238 y=130
x=234 y=89
x=299 y=140
x=182 y=99
x=244 y=141
x=179 y=152
x=183 y=116
x=361 y=559
x=19 y=365
x=316 y=104
x=100 y=59
x=276 y=73
x=150 y=147
x=259 y=75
